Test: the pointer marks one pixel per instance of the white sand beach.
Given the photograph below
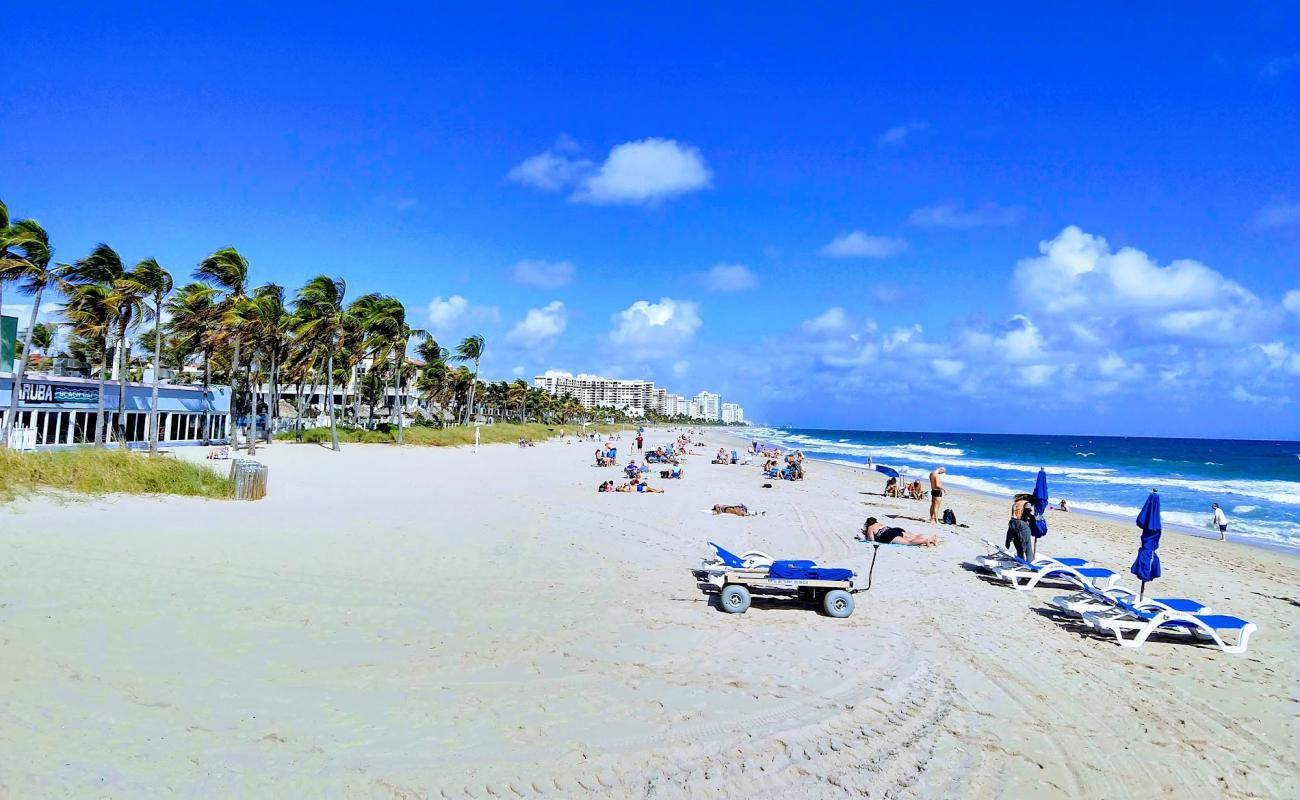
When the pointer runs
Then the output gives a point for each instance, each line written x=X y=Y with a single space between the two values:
x=421 y=622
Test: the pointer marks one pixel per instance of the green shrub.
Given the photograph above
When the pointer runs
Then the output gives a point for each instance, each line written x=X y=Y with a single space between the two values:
x=91 y=471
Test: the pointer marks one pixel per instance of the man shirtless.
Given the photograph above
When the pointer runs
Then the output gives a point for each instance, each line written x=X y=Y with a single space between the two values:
x=936 y=493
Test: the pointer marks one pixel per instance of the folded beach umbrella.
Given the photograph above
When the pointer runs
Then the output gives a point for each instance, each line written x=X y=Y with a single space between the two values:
x=889 y=471
x=1146 y=567
x=1040 y=504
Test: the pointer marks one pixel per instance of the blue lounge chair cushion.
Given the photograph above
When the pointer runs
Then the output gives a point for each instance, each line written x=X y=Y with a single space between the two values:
x=1181 y=604
x=729 y=558
x=1223 y=622
x=799 y=570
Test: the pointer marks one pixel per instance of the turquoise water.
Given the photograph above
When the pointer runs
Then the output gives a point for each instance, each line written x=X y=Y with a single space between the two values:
x=1257 y=483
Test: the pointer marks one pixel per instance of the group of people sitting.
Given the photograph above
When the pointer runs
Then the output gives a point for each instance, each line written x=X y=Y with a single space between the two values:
x=607 y=456
x=792 y=471
x=525 y=442
x=636 y=484
x=662 y=455
x=912 y=491
x=723 y=457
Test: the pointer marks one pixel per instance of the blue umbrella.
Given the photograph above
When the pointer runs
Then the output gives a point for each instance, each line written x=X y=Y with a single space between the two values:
x=1039 y=528
x=1146 y=567
x=890 y=471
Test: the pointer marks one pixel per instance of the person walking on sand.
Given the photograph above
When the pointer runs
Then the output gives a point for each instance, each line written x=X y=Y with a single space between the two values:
x=1220 y=519
x=936 y=493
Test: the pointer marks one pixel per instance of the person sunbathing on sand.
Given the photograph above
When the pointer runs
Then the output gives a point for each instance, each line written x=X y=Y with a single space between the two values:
x=874 y=531
x=738 y=510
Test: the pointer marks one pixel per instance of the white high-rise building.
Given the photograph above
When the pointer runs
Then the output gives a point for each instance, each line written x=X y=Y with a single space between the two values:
x=732 y=413
x=710 y=406
x=593 y=391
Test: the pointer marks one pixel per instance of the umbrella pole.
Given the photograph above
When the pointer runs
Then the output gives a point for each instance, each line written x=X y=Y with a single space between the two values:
x=1142 y=590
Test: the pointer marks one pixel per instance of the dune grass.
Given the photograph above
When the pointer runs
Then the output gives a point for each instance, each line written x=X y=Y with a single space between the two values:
x=90 y=471
x=419 y=436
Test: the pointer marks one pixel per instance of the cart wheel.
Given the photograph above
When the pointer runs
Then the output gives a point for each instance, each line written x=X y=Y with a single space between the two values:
x=734 y=599
x=838 y=603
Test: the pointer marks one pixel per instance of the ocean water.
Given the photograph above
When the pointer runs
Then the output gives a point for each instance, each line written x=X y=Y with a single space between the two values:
x=1257 y=483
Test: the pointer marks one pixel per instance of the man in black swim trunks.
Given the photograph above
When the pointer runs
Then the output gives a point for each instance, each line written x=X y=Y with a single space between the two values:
x=936 y=494
x=874 y=531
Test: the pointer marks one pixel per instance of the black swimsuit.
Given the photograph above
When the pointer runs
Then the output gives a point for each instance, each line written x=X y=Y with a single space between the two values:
x=887 y=535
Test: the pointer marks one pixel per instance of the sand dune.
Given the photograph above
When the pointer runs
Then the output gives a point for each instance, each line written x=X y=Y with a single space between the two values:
x=436 y=623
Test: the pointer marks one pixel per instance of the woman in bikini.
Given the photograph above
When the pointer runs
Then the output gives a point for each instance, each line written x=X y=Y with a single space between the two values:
x=874 y=531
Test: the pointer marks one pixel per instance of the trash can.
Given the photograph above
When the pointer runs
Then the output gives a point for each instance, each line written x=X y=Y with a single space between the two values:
x=249 y=477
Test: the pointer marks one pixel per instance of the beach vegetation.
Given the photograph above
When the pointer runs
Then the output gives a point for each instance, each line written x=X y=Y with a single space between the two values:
x=98 y=471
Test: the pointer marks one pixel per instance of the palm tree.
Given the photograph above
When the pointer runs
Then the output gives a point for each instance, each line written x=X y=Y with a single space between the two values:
x=193 y=312
x=25 y=259
x=388 y=333
x=321 y=324
x=227 y=271
x=268 y=321
x=151 y=280
x=43 y=338
x=5 y=255
x=89 y=310
x=471 y=349
x=104 y=267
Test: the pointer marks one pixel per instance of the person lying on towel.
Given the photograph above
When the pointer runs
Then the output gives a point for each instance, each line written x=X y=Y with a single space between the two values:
x=875 y=531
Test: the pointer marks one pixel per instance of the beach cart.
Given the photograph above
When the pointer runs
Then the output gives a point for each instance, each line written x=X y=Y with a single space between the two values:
x=830 y=589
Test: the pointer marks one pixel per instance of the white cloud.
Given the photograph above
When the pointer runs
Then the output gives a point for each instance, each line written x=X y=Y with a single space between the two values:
x=955 y=215
x=947 y=367
x=655 y=329
x=548 y=171
x=898 y=135
x=862 y=245
x=645 y=171
x=518 y=371
x=543 y=274
x=1291 y=301
x=539 y=326
x=1127 y=296
x=1278 y=66
x=1277 y=215
x=832 y=320
x=456 y=311
x=639 y=172
x=680 y=368
x=730 y=278
x=1242 y=394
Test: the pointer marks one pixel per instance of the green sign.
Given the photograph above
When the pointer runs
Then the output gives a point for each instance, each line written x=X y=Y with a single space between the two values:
x=8 y=336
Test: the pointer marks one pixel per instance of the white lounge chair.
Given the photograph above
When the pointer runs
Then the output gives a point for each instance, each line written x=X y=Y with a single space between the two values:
x=1002 y=557
x=1089 y=599
x=1024 y=575
x=1130 y=619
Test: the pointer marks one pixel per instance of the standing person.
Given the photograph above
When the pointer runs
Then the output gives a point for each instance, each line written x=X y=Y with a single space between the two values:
x=869 y=464
x=640 y=441
x=1220 y=519
x=1019 y=533
x=936 y=493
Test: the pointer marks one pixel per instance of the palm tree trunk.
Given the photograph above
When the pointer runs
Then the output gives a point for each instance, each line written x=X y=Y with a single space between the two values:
x=397 y=390
x=234 y=382
x=207 y=408
x=329 y=387
x=120 y=428
x=469 y=404
x=101 y=421
x=297 y=425
x=251 y=429
x=157 y=359
x=273 y=407
x=21 y=374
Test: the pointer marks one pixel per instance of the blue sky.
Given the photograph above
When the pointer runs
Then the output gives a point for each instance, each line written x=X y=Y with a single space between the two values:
x=1030 y=220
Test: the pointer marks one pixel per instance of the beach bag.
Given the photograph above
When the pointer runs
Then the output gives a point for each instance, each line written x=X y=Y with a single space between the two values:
x=949 y=518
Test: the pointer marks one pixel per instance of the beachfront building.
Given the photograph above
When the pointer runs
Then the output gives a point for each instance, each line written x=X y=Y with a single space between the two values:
x=59 y=411
x=593 y=391
x=732 y=414
x=633 y=397
x=709 y=406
